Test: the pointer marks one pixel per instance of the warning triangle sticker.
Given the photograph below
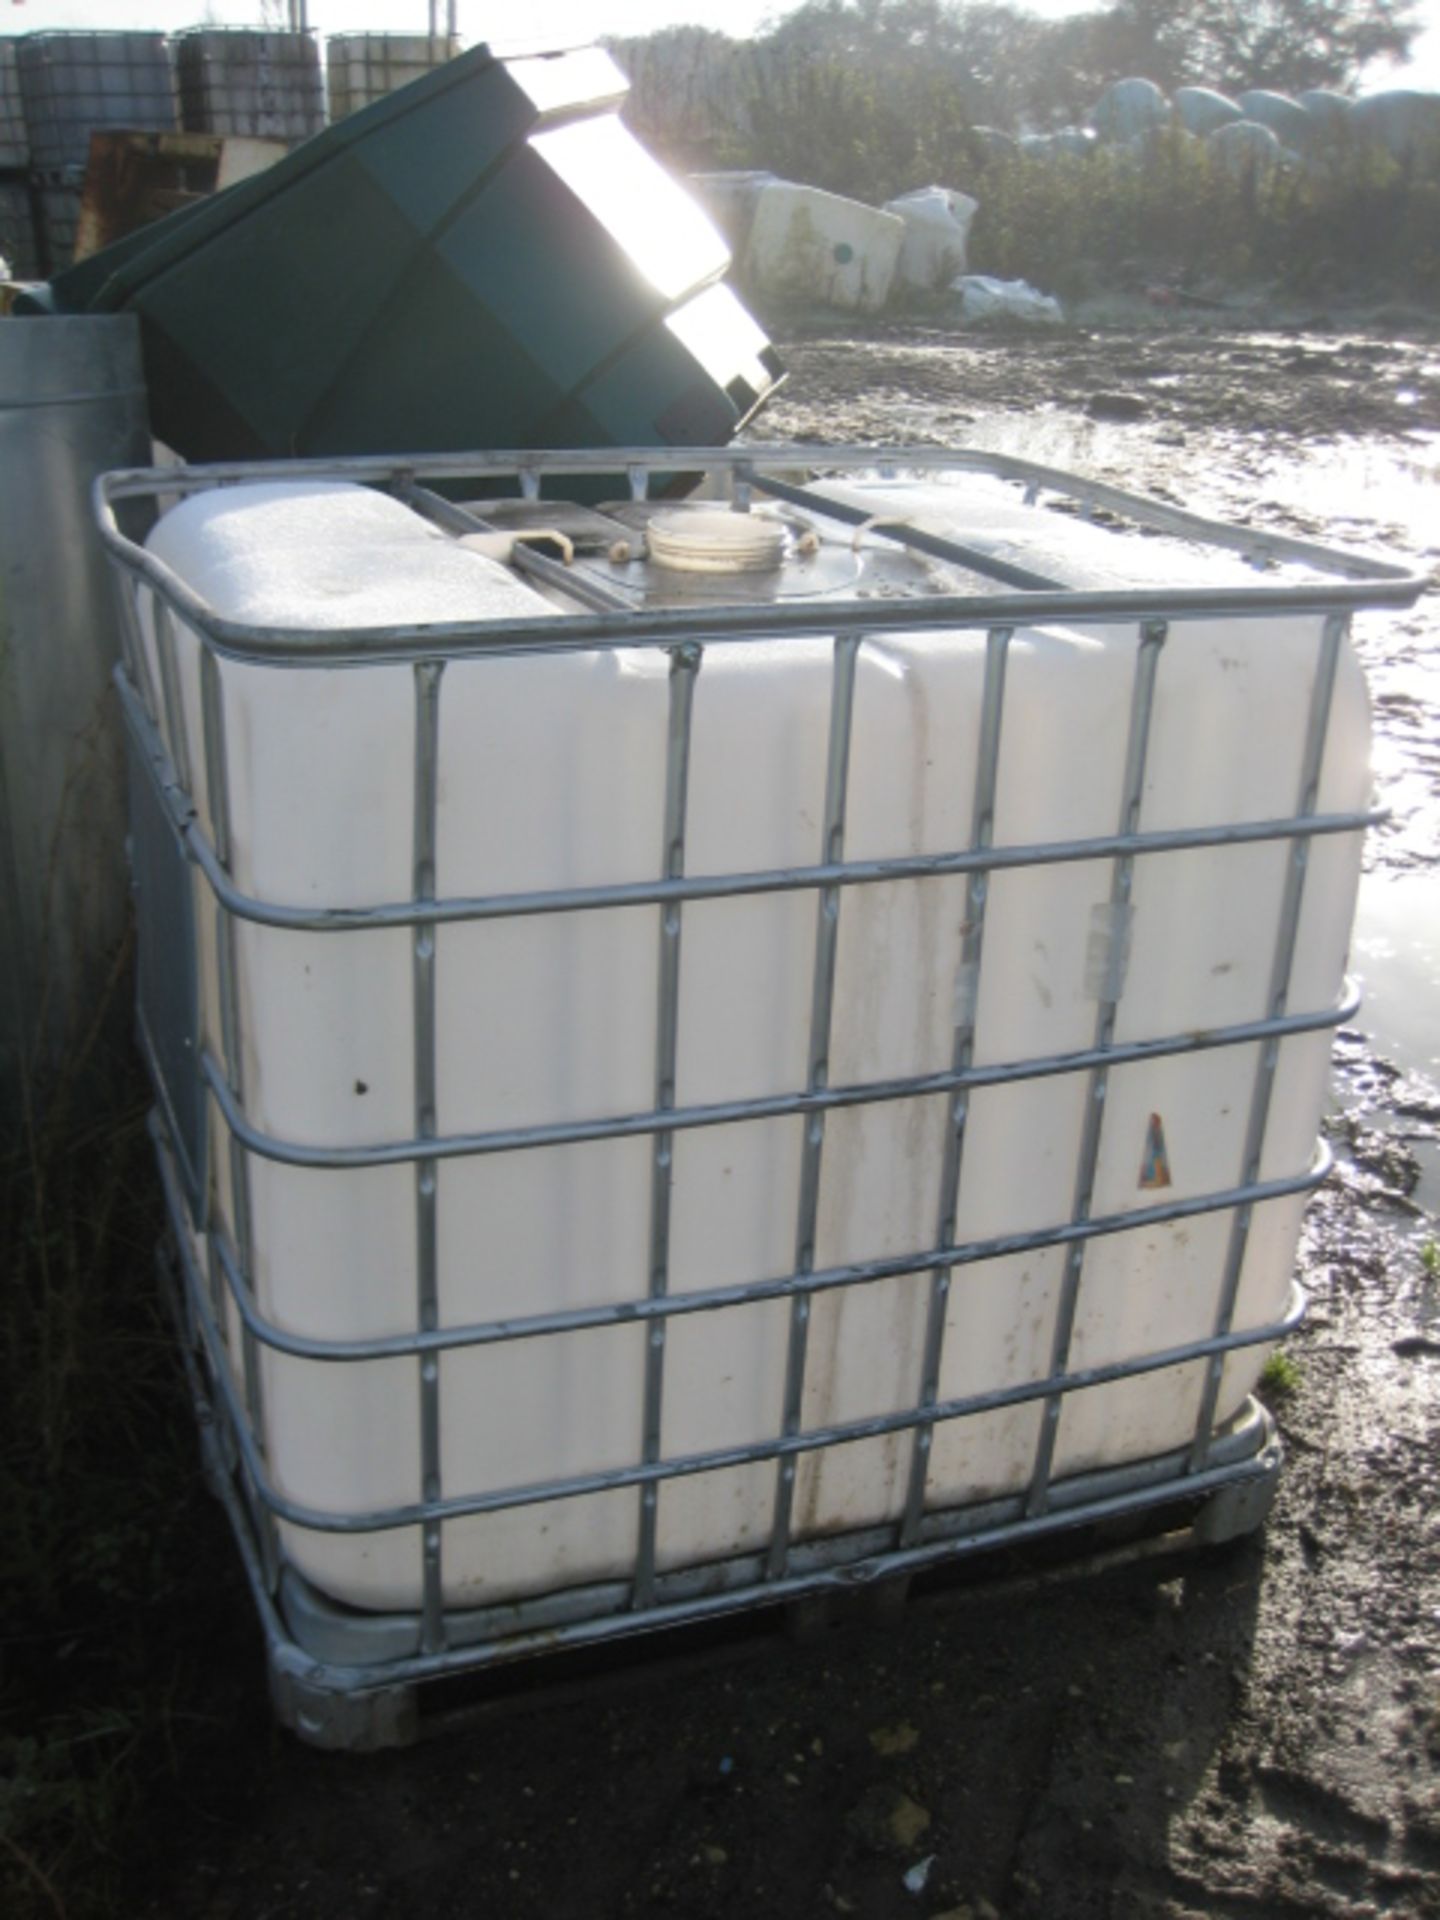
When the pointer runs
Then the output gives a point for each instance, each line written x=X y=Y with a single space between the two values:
x=1155 y=1165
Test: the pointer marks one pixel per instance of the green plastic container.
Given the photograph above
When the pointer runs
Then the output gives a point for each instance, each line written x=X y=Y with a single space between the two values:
x=485 y=259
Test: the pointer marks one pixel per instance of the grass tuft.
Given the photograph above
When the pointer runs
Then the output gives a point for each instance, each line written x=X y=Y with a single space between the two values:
x=1282 y=1376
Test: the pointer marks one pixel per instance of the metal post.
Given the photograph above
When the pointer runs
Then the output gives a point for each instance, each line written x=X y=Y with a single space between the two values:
x=967 y=992
x=427 y=789
x=822 y=995
x=1292 y=898
x=684 y=665
x=1142 y=705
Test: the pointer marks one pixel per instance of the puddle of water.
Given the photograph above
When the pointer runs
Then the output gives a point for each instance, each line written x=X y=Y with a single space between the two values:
x=1365 y=491
x=1395 y=954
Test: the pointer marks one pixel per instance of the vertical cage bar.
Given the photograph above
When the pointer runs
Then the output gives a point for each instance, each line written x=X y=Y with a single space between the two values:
x=822 y=996
x=217 y=791
x=132 y=650
x=982 y=827
x=175 y=707
x=684 y=664
x=427 y=791
x=149 y=693
x=1317 y=730
x=1142 y=707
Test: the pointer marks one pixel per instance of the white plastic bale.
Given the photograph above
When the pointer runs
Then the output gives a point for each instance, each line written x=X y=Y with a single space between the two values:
x=937 y=230
x=730 y=198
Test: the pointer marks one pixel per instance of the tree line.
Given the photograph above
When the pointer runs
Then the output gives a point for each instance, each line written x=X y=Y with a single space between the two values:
x=906 y=79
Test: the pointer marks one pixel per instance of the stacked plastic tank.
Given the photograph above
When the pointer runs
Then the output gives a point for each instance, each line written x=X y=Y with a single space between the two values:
x=14 y=147
x=17 y=229
x=364 y=67
x=69 y=85
x=265 y=85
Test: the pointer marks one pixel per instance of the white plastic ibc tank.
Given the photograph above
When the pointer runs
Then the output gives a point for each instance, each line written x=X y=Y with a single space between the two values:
x=261 y=85
x=552 y=774
x=361 y=68
x=809 y=246
x=14 y=142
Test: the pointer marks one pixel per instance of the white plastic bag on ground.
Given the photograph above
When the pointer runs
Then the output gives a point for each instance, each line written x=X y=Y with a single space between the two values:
x=937 y=228
x=984 y=299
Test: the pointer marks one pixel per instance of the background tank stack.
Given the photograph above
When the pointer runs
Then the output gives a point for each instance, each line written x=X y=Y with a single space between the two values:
x=70 y=85
x=265 y=85
x=364 y=67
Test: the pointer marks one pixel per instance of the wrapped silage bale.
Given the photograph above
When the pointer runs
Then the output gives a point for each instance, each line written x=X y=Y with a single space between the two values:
x=1286 y=118
x=1246 y=147
x=1128 y=108
x=1202 y=109
x=1330 y=111
x=1071 y=143
x=1406 y=123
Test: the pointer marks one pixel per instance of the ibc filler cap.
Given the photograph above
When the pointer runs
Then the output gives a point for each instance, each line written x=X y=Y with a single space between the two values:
x=705 y=540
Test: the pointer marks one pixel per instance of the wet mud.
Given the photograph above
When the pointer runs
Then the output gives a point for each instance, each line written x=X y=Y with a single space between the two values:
x=1250 y=1731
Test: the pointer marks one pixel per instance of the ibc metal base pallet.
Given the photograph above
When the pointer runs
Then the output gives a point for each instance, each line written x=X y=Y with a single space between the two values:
x=345 y=1680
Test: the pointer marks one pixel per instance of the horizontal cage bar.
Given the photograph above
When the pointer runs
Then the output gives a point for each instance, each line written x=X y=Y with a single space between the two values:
x=687 y=1466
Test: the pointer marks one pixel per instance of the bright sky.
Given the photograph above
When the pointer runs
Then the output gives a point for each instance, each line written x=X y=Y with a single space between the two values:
x=562 y=21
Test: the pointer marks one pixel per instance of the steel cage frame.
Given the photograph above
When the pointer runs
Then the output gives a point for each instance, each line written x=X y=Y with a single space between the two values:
x=234 y=1409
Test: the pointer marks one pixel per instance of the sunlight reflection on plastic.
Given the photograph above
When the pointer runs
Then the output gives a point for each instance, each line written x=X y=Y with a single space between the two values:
x=721 y=335
x=635 y=200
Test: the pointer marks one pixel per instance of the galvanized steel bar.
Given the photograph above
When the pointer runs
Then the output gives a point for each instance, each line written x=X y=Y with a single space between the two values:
x=1124 y=1495
x=174 y=706
x=936 y=546
x=132 y=644
x=725 y=886
x=1147 y=660
x=524 y=560
x=660 y=629
x=746 y=1293
x=764 y=1107
x=822 y=998
x=982 y=829
x=636 y=464
x=684 y=666
x=686 y=1466
x=1292 y=898
x=427 y=1260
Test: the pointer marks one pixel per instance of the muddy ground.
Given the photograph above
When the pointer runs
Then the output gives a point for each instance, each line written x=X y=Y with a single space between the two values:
x=1252 y=1732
